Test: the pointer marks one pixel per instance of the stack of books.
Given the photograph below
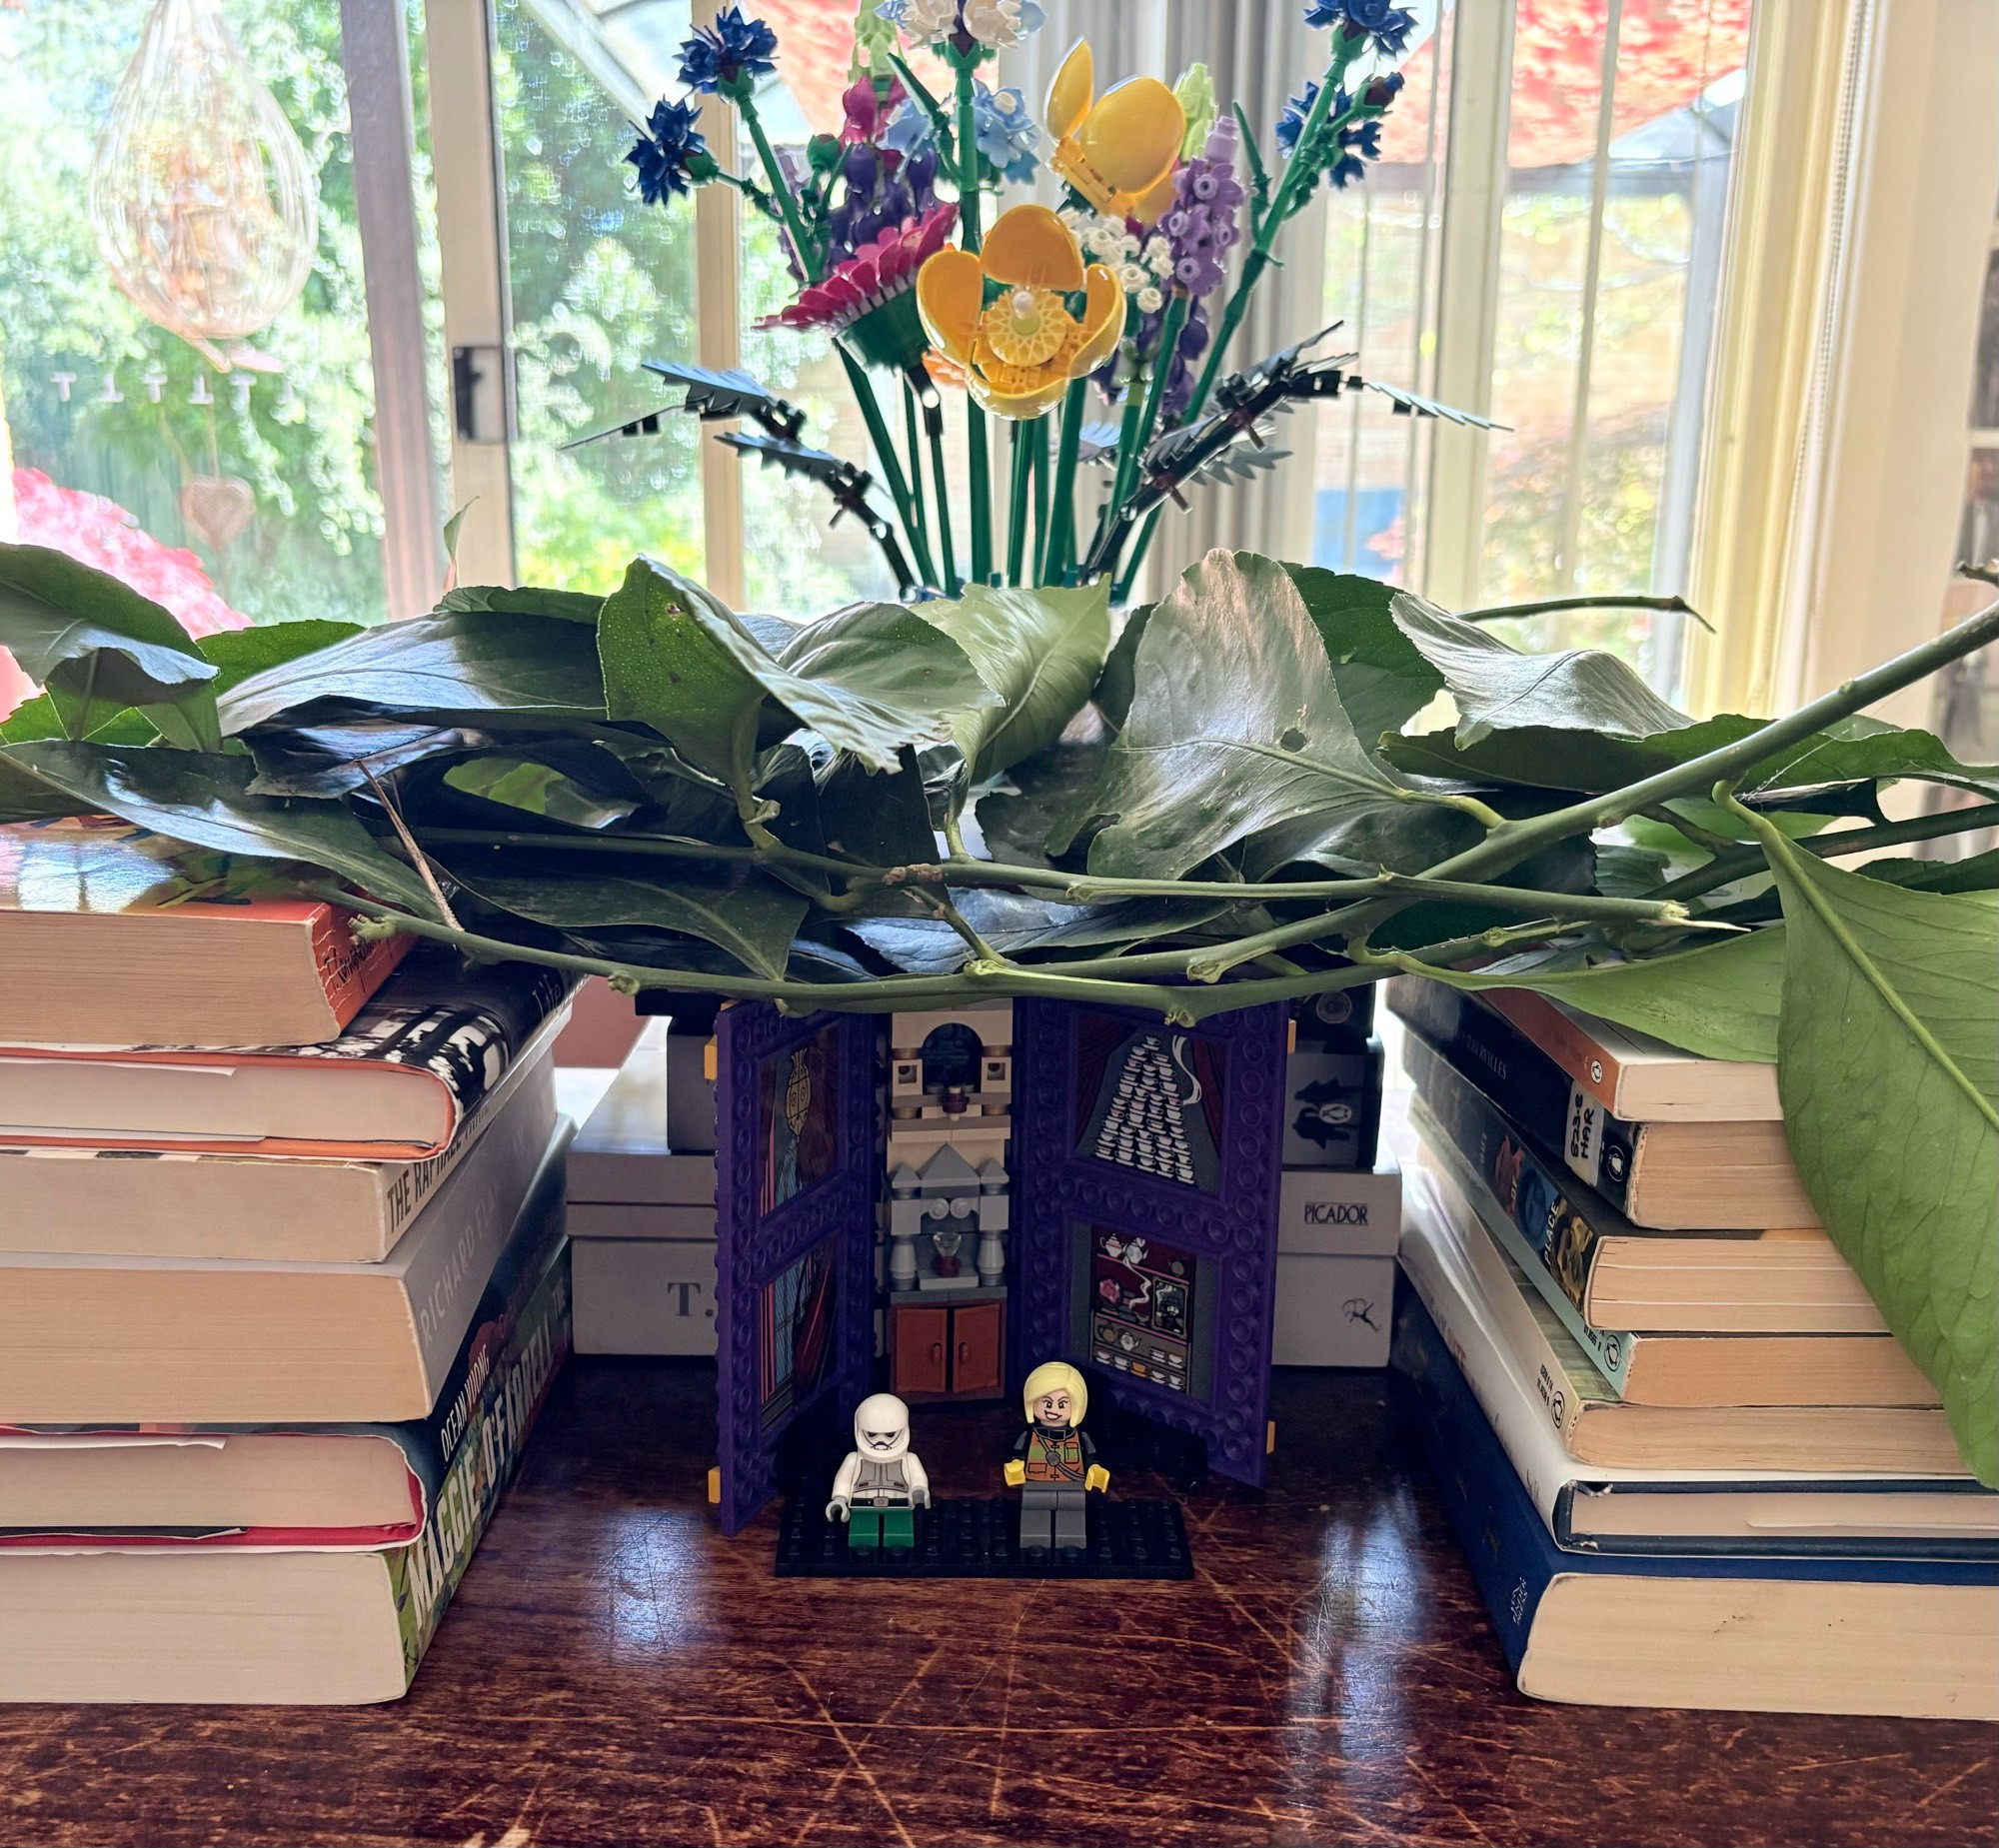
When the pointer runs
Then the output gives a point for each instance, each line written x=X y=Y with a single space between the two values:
x=1339 y=1207
x=1687 y=1462
x=283 y=1279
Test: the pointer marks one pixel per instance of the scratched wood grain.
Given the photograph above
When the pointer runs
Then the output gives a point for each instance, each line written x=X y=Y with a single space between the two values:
x=616 y=1673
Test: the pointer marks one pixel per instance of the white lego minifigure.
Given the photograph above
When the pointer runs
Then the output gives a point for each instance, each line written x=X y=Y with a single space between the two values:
x=881 y=1482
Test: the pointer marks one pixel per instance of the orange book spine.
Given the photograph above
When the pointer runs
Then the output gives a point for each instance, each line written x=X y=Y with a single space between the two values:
x=350 y=971
x=1595 y=1069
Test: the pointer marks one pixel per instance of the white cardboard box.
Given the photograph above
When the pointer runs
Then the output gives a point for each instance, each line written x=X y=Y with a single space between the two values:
x=1332 y=1311
x=643 y=1295
x=625 y=1153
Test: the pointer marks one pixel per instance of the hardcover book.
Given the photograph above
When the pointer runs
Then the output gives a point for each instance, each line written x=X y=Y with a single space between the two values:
x=394 y=1085
x=196 y=950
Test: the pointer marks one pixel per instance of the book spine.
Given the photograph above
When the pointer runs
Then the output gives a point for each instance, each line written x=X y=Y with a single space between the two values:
x=407 y=1186
x=349 y=970
x=1608 y=1350
x=1509 y=1555
x=424 y=1574
x=1601 y=1149
x=1594 y=1068
x=1521 y=1424
x=1561 y=1222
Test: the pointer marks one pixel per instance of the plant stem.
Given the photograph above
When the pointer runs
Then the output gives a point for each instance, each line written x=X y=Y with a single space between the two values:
x=934 y=424
x=975 y=419
x=1499 y=613
x=1016 y=499
x=921 y=537
x=1062 y=510
x=885 y=455
x=1507 y=846
x=1043 y=512
x=1170 y=330
x=1743 y=862
x=781 y=190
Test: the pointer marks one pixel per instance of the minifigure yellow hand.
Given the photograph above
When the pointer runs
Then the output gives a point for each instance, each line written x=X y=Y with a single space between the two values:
x=1096 y=1476
x=1015 y=1474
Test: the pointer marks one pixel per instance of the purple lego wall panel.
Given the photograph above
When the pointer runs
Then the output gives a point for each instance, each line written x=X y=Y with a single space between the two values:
x=1126 y=1128
x=796 y=1182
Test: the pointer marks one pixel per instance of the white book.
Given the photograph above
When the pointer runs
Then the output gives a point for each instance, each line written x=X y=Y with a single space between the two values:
x=1595 y=1506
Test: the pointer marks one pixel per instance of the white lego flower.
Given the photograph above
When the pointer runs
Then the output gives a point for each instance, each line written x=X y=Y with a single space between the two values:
x=994 y=23
x=1149 y=301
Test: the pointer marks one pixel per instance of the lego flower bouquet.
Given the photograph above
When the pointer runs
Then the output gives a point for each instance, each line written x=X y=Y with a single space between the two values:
x=1121 y=300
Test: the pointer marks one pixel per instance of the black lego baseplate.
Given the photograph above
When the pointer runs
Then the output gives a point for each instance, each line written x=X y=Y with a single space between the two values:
x=980 y=1539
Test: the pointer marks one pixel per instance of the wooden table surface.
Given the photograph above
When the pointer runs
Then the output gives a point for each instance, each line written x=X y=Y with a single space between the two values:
x=614 y=1671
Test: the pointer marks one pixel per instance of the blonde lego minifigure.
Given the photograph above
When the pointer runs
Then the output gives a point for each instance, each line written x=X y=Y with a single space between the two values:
x=1054 y=1463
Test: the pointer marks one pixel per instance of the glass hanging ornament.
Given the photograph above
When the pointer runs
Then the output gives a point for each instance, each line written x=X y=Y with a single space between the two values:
x=205 y=205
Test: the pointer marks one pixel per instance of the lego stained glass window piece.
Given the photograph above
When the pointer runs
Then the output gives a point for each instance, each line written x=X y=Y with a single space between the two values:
x=798 y=1331
x=1151 y=1100
x=797 y=1119
x=1142 y=1312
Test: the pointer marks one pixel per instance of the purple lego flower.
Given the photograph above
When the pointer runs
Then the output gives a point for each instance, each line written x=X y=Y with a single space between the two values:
x=671 y=152
x=1382 y=21
x=1201 y=226
x=725 y=58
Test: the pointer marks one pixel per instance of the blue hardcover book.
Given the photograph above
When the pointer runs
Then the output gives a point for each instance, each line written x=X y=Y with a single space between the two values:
x=1899 y=1637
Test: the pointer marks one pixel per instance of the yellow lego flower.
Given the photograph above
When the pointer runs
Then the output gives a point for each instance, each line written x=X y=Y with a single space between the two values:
x=1017 y=353
x=1116 y=150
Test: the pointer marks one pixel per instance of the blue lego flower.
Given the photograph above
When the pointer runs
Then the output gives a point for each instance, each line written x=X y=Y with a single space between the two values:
x=1382 y=21
x=908 y=129
x=725 y=57
x=1006 y=132
x=670 y=152
x=1291 y=124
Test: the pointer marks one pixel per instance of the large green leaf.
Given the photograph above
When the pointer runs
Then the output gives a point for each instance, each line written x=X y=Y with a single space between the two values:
x=464 y=662
x=1016 y=923
x=1720 y=1000
x=1496 y=688
x=1382 y=677
x=753 y=918
x=97 y=646
x=235 y=653
x=1236 y=726
x=881 y=821
x=1888 y=1068
x=1112 y=692
x=205 y=800
x=1040 y=652
x=1016 y=820
x=868 y=680
x=1856 y=750
x=523 y=600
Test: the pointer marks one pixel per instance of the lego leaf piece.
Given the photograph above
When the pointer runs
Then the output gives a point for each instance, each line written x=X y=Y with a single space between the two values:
x=1899 y=1147
x=721 y=396
x=1496 y=688
x=1039 y=650
x=1236 y=725
x=206 y=800
x=469 y=662
x=846 y=483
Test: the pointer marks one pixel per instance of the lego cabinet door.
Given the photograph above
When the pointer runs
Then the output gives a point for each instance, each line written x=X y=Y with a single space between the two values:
x=795 y=1235
x=1146 y=1160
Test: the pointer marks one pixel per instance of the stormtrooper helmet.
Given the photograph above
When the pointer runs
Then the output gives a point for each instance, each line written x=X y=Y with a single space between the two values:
x=881 y=1426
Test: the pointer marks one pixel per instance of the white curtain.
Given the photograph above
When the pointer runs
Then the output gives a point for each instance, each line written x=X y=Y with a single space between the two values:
x=1259 y=52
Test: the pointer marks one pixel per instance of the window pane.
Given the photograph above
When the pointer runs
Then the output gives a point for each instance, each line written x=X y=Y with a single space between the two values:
x=234 y=484
x=1380 y=284
x=600 y=285
x=1606 y=297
